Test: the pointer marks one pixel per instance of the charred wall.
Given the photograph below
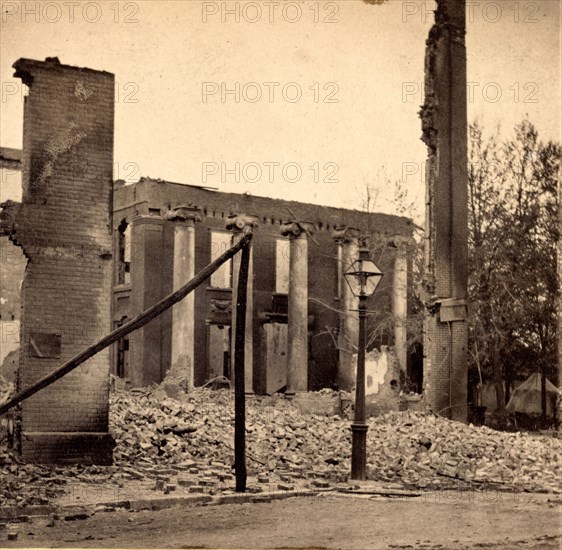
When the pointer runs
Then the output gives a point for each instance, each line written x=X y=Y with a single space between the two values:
x=64 y=229
x=444 y=122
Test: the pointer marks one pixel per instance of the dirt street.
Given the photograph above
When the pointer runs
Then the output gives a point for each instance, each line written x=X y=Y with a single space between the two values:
x=451 y=520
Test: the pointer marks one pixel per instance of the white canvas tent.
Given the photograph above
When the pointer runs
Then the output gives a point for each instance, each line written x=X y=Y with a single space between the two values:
x=526 y=397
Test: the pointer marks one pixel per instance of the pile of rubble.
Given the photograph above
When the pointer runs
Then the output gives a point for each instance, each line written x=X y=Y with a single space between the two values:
x=186 y=445
x=7 y=389
x=148 y=424
x=421 y=449
x=30 y=484
x=415 y=449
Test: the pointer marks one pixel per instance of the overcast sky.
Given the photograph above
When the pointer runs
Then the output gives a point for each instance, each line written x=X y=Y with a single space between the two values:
x=340 y=84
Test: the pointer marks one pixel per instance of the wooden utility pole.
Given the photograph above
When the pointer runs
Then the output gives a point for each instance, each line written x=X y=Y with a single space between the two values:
x=239 y=380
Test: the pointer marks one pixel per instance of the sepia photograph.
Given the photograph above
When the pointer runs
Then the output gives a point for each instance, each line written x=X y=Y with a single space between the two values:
x=281 y=274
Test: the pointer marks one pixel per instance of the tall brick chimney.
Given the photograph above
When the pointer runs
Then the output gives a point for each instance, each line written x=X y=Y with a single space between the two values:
x=64 y=229
x=444 y=122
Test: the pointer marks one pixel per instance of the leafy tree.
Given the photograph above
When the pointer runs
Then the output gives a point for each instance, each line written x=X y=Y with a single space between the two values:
x=513 y=231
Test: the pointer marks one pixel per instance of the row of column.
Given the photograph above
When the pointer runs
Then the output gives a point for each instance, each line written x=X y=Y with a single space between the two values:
x=183 y=315
x=348 y=238
x=297 y=308
x=240 y=224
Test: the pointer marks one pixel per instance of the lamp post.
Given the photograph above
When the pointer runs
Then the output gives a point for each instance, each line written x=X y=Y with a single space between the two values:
x=363 y=278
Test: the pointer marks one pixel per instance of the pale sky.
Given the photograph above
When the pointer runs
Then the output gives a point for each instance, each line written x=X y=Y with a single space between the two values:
x=171 y=59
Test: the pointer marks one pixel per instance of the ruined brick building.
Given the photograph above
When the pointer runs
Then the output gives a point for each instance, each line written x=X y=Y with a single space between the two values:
x=99 y=252
x=146 y=240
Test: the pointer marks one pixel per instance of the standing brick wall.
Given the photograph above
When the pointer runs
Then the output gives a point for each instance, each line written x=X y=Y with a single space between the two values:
x=64 y=229
x=444 y=121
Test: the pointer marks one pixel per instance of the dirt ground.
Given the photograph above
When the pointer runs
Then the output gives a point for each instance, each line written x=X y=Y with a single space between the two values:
x=452 y=520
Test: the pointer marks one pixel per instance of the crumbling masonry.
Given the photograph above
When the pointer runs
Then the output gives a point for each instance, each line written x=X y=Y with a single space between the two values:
x=64 y=228
x=444 y=122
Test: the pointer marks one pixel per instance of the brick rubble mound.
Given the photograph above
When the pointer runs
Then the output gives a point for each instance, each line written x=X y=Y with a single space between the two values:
x=187 y=444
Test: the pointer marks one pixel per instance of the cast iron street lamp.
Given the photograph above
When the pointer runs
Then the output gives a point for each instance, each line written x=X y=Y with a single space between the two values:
x=363 y=278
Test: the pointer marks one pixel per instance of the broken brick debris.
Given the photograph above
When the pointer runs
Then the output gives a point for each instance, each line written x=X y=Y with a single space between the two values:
x=186 y=446
x=196 y=436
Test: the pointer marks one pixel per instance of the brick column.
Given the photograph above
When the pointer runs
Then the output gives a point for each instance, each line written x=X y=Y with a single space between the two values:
x=240 y=224
x=183 y=313
x=64 y=228
x=400 y=301
x=349 y=321
x=444 y=124
x=297 y=330
x=146 y=290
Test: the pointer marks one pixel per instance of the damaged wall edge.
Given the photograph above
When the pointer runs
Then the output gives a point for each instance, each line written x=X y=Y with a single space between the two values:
x=63 y=226
x=444 y=127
